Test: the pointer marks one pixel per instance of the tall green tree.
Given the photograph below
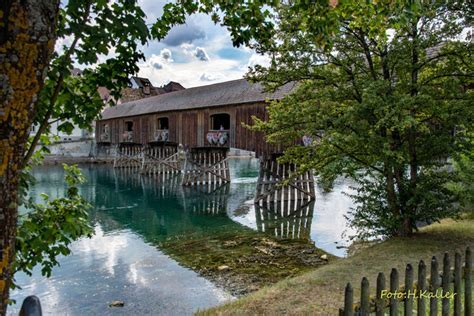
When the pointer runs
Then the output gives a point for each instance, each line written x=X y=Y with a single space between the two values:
x=36 y=87
x=101 y=38
x=27 y=38
x=385 y=96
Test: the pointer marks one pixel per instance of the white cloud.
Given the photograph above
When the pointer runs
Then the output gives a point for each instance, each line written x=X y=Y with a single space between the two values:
x=193 y=73
x=61 y=42
x=210 y=76
x=201 y=54
x=257 y=59
x=152 y=8
x=187 y=47
x=166 y=55
x=159 y=61
x=185 y=33
x=198 y=52
x=156 y=64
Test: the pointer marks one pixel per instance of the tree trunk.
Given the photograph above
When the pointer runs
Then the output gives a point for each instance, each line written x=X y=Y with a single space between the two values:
x=27 y=38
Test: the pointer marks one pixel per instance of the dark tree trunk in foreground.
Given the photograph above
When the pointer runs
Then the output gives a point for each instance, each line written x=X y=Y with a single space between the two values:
x=26 y=43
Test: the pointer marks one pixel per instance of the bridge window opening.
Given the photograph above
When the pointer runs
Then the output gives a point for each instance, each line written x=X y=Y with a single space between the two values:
x=163 y=123
x=105 y=133
x=220 y=122
x=161 y=133
x=129 y=126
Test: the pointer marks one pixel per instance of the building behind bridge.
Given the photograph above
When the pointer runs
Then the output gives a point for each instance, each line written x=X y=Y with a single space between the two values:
x=205 y=116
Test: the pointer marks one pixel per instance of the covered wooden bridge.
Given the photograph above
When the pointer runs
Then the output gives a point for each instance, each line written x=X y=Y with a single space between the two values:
x=192 y=130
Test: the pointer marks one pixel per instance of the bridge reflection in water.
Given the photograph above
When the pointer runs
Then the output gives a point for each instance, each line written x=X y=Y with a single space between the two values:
x=191 y=225
x=212 y=202
x=288 y=219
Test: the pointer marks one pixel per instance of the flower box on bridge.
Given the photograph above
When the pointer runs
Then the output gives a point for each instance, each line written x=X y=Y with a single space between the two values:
x=127 y=137
x=218 y=138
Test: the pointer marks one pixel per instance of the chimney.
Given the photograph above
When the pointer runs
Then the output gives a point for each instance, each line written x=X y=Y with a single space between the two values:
x=146 y=89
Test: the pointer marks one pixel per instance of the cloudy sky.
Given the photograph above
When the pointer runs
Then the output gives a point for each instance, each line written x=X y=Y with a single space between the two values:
x=194 y=54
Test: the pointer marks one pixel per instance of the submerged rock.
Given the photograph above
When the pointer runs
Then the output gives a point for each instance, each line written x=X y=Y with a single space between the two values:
x=116 y=304
x=230 y=243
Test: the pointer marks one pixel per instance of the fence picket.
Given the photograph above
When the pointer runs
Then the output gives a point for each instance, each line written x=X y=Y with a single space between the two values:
x=445 y=285
x=379 y=301
x=349 y=301
x=457 y=284
x=364 y=297
x=421 y=286
x=409 y=290
x=434 y=286
x=468 y=284
x=393 y=289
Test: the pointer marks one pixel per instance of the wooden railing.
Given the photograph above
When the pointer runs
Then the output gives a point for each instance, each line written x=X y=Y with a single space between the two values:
x=426 y=291
x=218 y=138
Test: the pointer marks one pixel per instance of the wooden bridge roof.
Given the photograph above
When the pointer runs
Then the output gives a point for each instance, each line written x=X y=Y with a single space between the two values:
x=219 y=94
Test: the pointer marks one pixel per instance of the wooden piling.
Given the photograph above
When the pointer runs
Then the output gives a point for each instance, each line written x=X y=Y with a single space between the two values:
x=206 y=166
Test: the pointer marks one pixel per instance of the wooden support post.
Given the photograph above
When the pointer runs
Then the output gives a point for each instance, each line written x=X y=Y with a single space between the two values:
x=364 y=297
x=161 y=158
x=379 y=301
x=421 y=286
x=286 y=198
x=128 y=155
x=457 y=283
x=277 y=182
x=294 y=224
x=206 y=166
x=434 y=287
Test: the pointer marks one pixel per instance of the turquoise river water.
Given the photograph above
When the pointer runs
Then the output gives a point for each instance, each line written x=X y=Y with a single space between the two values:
x=131 y=215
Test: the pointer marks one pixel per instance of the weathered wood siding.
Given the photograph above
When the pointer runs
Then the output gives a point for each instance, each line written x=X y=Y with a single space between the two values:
x=190 y=127
x=248 y=139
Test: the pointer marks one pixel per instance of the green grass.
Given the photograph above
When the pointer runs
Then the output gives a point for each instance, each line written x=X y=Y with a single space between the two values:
x=320 y=292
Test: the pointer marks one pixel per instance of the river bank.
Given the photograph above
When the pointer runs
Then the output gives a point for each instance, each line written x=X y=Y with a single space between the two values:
x=320 y=292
